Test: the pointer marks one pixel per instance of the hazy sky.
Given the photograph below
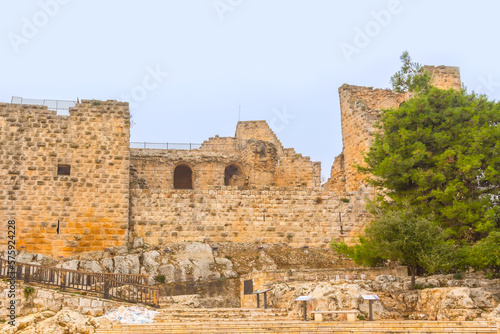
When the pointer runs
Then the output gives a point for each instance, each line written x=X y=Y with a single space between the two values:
x=187 y=65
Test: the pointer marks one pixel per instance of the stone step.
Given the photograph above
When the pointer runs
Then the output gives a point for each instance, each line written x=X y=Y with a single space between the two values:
x=291 y=330
x=218 y=310
x=307 y=327
x=260 y=314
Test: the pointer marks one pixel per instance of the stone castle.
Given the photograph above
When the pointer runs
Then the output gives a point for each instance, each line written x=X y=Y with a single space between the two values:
x=73 y=183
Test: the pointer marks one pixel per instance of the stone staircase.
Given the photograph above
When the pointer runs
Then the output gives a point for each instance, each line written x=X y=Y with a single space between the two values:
x=219 y=321
x=226 y=314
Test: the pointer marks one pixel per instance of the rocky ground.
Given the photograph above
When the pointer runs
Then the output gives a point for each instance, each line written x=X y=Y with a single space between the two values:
x=63 y=322
x=192 y=262
x=439 y=297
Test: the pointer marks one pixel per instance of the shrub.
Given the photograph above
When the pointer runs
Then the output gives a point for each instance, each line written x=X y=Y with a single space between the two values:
x=28 y=291
x=489 y=275
x=160 y=279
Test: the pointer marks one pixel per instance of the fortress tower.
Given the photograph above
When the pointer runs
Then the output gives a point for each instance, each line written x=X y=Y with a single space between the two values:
x=360 y=109
x=65 y=179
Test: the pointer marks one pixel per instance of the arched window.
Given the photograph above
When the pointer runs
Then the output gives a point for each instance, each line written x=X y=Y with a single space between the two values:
x=183 y=177
x=230 y=173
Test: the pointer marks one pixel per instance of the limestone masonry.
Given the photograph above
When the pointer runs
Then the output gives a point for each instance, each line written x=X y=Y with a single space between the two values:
x=73 y=184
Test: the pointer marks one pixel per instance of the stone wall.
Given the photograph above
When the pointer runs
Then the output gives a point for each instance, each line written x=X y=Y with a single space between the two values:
x=63 y=214
x=298 y=217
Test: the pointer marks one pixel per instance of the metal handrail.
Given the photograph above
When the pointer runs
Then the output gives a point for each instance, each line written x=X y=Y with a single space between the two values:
x=60 y=106
x=185 y=146
x=166 y=146
x=123 y=287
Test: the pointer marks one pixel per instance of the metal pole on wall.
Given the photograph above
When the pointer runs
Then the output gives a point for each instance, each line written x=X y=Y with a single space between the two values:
x=305 y=310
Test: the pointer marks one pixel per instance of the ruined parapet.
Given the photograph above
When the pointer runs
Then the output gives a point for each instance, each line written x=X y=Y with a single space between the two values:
x=258 y=130
x=221 y=145
x=337 y=180
x=293 y=170
x=445 y=77
x=65 y=179
x=254 y=157
x=260 y=158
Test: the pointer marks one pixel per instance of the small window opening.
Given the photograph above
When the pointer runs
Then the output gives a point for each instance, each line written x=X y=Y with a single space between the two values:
x=230 y=173
x=63 y=170
x=183 y=177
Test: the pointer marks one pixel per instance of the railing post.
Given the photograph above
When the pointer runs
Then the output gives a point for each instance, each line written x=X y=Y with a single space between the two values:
x=106 y=287
x=19 y=273
x=63 y=280
x=27 y=274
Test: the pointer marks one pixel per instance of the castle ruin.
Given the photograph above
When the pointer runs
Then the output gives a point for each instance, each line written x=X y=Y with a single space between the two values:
x=73 y=184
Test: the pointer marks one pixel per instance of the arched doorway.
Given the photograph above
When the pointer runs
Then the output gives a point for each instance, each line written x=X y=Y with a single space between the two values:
x=231 y=173
x=183 y=177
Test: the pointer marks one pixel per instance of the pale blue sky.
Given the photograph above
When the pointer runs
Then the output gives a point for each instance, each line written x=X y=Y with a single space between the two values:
x=270 y=56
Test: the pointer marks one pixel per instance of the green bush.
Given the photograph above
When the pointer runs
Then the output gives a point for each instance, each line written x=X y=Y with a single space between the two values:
x=420 y=286
x=28 y=291
x=160 y=279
